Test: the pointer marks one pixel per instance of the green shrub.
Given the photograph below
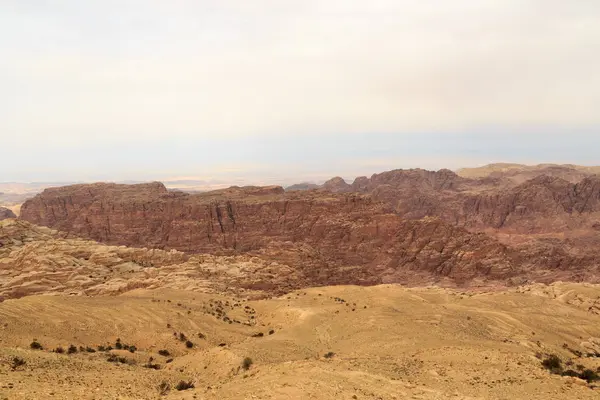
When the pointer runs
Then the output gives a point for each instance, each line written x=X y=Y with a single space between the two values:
x=152 y=366
x=164 y=388
x=183 y=385
x=553 y=364
x=247 y=363
x=589 y=376
x=17 y=362
x=35 y=345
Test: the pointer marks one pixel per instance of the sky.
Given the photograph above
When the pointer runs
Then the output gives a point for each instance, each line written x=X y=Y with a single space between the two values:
x=268 y=91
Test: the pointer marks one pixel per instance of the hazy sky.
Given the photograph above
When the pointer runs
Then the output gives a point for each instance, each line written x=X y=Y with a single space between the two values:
x=267 y=90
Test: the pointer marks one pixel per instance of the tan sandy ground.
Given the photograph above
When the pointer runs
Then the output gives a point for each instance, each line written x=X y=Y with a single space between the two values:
x=389 y=343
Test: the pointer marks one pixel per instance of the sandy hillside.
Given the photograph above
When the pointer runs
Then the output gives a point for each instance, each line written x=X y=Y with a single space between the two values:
x=388 y=342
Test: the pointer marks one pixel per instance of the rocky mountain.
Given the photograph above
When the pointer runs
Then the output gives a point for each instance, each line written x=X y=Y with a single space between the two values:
x=519 y=173
x=302 y=186
x=411 y=226
x=5 y=213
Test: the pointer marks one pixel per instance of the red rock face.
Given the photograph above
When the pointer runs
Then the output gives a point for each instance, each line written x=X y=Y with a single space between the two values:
x=401 y=226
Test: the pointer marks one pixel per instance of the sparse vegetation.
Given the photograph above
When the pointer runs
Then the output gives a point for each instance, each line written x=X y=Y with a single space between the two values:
x=553 y=364
x=17 y=362
x=247 y=363
x=164 y=388
x=164 y=353
x=271 y=332
x=183 y=385
x=589 y=376
x=113 y=358
x=259 y=334
x=151 y=365
x=35 y=345
x=189 y=344
x=59 y=350
x=329 y=354
x=72 y=349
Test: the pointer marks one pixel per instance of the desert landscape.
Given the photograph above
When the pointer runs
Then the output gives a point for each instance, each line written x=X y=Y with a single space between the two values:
x=299 y=199
x=410 y=284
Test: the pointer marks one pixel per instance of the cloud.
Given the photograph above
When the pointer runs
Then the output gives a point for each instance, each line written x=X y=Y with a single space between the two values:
x=131 y=71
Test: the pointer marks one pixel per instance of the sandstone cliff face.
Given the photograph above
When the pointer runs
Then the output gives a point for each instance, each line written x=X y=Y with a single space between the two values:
x=400 y=226
x=542 y=204
x=36 y=260
x=346 y=238
x=339 y=238
x=5 y=213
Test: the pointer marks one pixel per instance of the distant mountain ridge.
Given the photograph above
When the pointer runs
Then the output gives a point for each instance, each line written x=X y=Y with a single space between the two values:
x=408 y=226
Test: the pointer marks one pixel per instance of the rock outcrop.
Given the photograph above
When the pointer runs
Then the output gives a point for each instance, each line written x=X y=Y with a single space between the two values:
x=5 y=213
x=410 y=227
x=337 y=185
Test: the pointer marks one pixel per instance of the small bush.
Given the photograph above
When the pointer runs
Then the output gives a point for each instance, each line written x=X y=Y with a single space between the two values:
x=35 y=345
x=116 y=359
x=329 y=354
x=101 y=348
x=247 y=363
x=118 y=344
x=182 y=337
x=189 y=344
x=72 y=349
x=271 y=332
x=553 y=364
x=183 y=385
x=59 y=350
x=113 y=358
x=259 y=334
x=589 y=376
x=164 y=388
x=88 y=349
x=570 y=372
x=164 y=353
x=152 y=366
x=132 y=349
x=17 y=362
x=169 y=361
